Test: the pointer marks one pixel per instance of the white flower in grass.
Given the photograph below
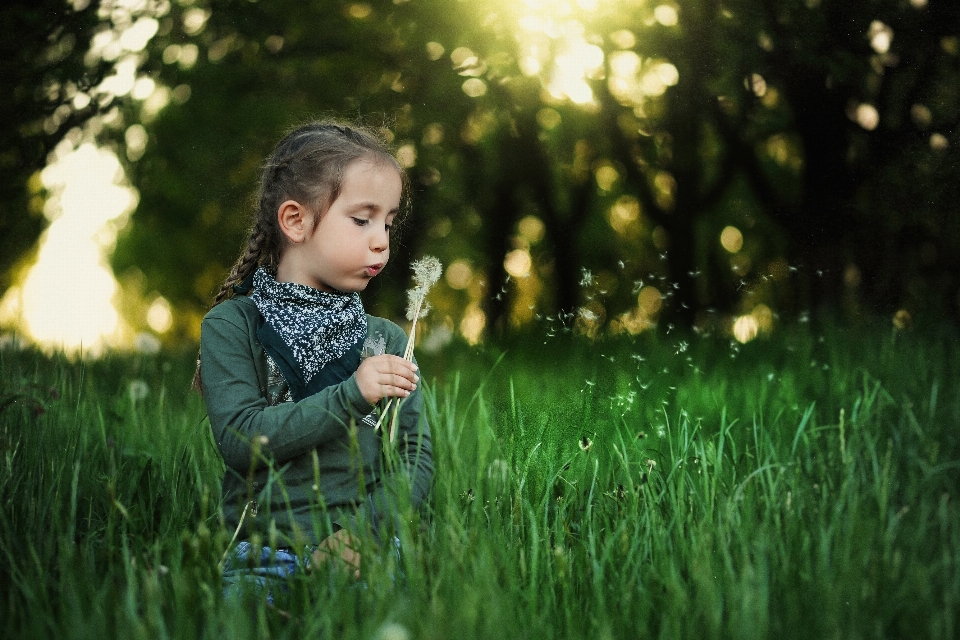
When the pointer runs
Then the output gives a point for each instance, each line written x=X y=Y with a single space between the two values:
x=138 y=390
x=393 y=631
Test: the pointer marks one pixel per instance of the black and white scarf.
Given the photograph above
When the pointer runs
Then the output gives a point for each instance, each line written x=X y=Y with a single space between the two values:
x=318 y=326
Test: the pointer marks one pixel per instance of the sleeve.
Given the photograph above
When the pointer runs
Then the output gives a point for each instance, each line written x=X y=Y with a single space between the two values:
x=408 y=465
x=239 y=411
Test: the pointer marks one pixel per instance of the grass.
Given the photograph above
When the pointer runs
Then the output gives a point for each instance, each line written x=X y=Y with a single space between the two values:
x=672 y=486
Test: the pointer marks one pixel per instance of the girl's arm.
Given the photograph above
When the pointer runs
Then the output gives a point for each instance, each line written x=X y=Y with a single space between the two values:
x=240 y=415
x=414 y=453
x=413 y=467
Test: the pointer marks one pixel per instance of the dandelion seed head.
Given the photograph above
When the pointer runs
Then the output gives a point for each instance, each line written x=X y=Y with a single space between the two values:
x=426 y=272
x=138 y=390
x=393 y=631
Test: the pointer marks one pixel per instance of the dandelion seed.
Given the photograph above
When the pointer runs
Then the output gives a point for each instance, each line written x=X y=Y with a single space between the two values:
x=263 y=440
x=586 y=277
x=620 y=264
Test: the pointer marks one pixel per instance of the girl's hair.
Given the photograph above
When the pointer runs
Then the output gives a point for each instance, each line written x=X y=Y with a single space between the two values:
x=306 y=166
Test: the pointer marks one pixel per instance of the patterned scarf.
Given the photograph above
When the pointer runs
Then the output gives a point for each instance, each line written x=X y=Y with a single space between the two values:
x=318 y=326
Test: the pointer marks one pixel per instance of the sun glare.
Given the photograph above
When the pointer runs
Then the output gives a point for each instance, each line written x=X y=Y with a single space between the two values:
x=552 y=39
x=66 y=300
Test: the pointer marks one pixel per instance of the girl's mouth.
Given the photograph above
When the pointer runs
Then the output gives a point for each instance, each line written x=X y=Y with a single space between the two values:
x=374 y=269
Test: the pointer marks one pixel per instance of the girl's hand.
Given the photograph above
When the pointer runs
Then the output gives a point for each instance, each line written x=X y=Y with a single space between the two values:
x=386 y=376
x=341 y=549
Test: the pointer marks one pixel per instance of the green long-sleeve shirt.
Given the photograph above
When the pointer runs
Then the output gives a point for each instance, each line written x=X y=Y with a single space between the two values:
x=319 y=463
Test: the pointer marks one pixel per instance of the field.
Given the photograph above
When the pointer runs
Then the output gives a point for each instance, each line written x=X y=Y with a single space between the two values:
x=801 y=486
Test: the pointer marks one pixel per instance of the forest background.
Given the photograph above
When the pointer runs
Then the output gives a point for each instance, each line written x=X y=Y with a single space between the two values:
x=609 y=165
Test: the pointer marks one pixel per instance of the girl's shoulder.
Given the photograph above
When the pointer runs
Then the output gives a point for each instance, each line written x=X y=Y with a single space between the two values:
x=236 y=310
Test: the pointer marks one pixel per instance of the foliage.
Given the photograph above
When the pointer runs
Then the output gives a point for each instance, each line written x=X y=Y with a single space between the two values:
x=620 y=139
x=46 y=77
x=666 y=486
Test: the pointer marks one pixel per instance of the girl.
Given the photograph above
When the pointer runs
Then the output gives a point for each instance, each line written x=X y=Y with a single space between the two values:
x=291 y=367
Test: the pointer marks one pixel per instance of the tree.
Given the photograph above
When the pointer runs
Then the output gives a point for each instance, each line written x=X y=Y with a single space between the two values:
x=633 y=135
x=47 y=91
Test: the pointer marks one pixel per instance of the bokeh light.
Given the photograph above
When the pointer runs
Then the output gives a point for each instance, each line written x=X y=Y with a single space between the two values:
x=67 y=298
x=731 y=239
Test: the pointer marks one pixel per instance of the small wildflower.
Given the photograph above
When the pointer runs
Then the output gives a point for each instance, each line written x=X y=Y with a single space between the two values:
x=137 y=390
x=393 y=631
x=650 y=464
x=586 y=443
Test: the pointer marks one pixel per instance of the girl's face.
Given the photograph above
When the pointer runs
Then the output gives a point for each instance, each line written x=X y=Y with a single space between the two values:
x=351 y=243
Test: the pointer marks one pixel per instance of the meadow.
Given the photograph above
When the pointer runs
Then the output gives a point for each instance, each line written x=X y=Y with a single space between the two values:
x=672 y=486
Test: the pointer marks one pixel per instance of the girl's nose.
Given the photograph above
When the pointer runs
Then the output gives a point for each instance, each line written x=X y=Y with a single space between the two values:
x=380 y=240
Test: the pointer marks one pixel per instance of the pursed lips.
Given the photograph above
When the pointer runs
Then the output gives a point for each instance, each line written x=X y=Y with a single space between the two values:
x=374 y=269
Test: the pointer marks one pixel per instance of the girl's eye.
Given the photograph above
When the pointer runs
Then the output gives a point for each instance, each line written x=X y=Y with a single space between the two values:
x=360 y=222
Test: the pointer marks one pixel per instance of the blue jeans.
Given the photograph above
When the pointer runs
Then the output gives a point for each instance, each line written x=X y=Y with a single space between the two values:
x=249 y=571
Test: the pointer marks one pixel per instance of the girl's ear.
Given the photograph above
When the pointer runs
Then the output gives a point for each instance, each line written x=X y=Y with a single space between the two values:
x=294 y=221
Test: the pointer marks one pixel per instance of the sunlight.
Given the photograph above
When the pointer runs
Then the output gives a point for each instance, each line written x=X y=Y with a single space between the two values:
x=552 y=42
x=66 y=300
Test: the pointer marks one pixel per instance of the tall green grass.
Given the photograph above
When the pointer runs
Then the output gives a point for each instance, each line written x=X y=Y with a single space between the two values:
x=673 y=486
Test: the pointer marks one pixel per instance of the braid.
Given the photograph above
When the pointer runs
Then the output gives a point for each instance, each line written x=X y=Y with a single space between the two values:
x=247 y=263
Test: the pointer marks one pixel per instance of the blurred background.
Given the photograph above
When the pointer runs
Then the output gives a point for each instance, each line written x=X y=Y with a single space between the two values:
x=594 y=166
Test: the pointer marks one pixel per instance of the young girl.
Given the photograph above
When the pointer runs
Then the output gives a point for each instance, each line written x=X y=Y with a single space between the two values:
x=291 y=367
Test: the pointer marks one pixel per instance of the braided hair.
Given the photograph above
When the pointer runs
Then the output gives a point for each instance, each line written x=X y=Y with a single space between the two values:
x=306 y=166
